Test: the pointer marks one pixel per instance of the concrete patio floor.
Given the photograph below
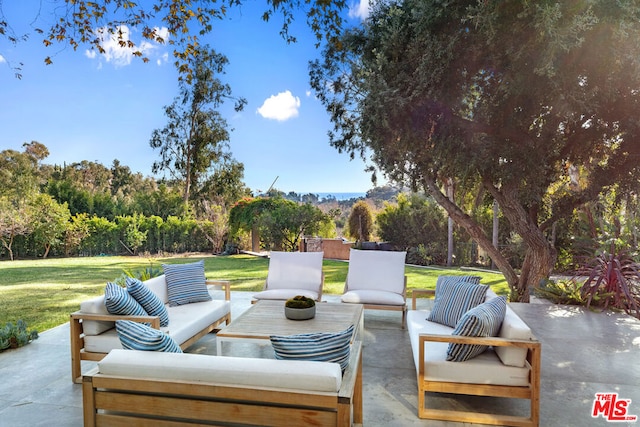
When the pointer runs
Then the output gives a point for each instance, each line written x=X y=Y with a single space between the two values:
x=583 y=353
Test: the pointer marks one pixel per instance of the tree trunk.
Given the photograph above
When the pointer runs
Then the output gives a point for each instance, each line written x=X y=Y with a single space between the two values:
x=540 y=256
x=538 y=263
x=496 y=228
x=8 y=245
x=475 y=231
x=450 y=225
x=255 y=238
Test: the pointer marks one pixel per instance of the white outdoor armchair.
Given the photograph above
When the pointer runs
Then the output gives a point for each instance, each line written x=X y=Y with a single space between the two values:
x=291 y=274
x=376 y=279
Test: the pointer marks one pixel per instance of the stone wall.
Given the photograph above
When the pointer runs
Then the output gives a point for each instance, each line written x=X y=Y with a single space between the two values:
x=332 y=248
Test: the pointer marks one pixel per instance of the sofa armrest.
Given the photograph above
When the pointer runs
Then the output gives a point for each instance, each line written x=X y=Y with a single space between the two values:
x=492 y=341
x=222 y=285
x=154 y=320
x=351 y=390
x=416 y=292
x=353 y=370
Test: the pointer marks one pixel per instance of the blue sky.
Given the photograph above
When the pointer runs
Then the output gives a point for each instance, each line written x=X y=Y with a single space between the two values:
x=88 y=106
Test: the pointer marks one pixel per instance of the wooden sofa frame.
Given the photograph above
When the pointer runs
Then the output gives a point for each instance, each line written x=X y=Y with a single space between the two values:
x=530 y=391
x=125 y=401
x=78 y=352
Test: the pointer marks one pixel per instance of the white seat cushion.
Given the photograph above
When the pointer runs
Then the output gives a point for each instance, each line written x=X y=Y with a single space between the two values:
x=373 y=297
x=187 y=320
x=103 y=343
x=285 y=294
x=240 y=371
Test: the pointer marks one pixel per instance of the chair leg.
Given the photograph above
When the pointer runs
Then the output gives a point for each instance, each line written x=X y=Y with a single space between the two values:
x=76 y=344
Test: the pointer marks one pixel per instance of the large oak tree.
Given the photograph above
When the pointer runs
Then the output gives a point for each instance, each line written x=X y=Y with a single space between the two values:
x=510 y=97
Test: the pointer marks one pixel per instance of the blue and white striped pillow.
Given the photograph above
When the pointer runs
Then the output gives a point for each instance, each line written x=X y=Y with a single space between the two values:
x=118 y=301
x=148 y=300
x=319 y=347
x=482 y=321
x=455 y=298
x=136 y=336
x=186 y=283
x=444 y=279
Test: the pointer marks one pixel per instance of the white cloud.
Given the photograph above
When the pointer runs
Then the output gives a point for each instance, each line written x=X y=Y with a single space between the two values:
x=281 y=107
x=360 y=9
x=116 y=46
x=163 y=59
x=2 y=59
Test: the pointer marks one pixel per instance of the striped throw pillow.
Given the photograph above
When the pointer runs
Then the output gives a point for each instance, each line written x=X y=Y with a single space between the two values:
x=118 y=301
x=455 y=279
x=186 y=283
x=482 y=321
x=136 y=336
x=319 y=347
x=453 y=299
x=148 y=300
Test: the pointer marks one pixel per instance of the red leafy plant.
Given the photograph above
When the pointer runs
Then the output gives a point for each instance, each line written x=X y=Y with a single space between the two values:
x=612 y=281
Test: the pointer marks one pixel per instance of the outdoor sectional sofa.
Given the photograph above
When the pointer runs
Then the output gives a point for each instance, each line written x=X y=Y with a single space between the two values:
x=93 y=332
x=514 y=373
x=131 y=387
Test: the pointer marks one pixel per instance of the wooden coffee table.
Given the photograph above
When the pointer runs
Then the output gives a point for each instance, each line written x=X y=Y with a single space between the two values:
x=266 y=318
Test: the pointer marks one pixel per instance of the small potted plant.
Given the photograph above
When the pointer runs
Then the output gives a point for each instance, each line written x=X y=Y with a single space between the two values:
x=300 y=308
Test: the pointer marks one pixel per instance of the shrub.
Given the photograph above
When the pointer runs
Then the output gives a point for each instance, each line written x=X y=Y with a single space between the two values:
x=141 y=274
x=612 y=281
x=360 y=221
x=561 y=292
x=14 y=336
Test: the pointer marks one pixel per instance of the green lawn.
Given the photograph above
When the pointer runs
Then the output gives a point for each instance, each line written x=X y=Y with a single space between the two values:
x=44 y=292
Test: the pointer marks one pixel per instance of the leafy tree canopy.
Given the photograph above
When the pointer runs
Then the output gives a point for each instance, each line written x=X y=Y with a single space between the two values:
x=514 y=96
x=179 y=23
x=280 y=222
x=196 y=137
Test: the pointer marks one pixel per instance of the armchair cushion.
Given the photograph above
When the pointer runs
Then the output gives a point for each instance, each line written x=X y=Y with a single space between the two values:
x=119 y=301
x=376 y=270
x=483 y=320
x=186 y=283
x=373 y=297
x=148 y=300
x=453 y=299
x=285 y=294
x=320 y=347
x=136 y=336
x=295 y=270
